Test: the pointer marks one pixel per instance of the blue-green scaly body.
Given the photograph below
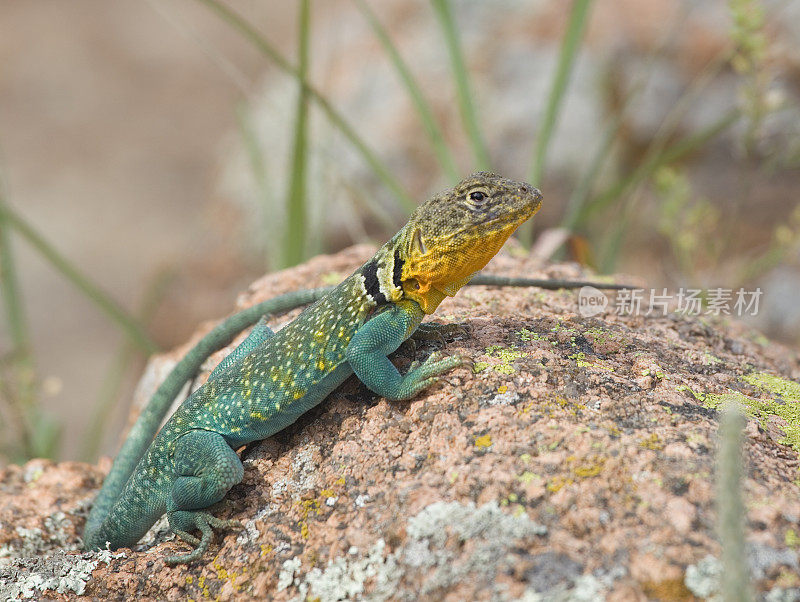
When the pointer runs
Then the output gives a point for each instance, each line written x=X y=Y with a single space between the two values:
x=271 y=379
x=250 y=400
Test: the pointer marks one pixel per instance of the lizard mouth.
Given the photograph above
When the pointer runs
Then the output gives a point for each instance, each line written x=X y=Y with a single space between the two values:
x=509 y=221
x=510 y=218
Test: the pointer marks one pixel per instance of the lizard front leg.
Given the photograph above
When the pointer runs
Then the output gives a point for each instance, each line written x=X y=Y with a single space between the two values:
x=368 y=350
x=205 y=468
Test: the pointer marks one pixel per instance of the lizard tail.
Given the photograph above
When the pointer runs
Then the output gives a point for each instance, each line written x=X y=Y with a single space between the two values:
x=143 y=431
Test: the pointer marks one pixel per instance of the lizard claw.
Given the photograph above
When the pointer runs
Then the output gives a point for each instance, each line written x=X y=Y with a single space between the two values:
x=202 y=521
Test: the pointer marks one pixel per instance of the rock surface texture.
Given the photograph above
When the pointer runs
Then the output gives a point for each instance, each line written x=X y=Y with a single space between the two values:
x=573 y=460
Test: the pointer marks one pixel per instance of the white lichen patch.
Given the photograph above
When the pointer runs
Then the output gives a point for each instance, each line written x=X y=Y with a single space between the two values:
x=250 y=532
x=504 y=399
x=587 y=588
x=29 y=578
x=346 y=578
x=30 y=542
x=376 y=576
x=492 y=531
x=304 y=475
x=704 y=578
x=287 y=575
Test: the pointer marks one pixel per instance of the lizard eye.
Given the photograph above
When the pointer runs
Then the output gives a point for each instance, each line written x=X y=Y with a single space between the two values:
x=478 y=198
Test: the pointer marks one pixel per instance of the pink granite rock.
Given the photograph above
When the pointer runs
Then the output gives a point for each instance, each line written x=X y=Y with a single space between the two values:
x=547 y=466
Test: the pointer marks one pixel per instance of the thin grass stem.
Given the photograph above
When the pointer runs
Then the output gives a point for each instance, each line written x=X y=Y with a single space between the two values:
x=555 y=100
x=423 y=109
x=112 y=383
x=132 y=329
x=23 y=395
x=262 y=45
x=461 y=77
x=258 y=167
x=294 y=239
x=735 y=584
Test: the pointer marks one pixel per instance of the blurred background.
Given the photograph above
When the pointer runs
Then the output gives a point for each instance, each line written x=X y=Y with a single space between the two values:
x=156 y=157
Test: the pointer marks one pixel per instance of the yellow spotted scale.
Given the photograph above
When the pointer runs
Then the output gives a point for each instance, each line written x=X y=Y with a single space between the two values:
x=269 y=380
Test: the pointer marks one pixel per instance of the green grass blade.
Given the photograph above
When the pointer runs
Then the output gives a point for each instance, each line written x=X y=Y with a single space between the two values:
x=262 y=45
x=440 y=148
x=666 y=156
x=22 y=393
x=731 y=512
x=264 y=194
x=112 y=383
x=463 y=92
x=580 y=195
x=10 y=289
x=566 y=59
x=294 y=238
x=674 y=153
x=129 y=325
x=555 y=100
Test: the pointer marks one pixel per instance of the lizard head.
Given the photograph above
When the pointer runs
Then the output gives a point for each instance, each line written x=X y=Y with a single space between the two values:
x=456 y=232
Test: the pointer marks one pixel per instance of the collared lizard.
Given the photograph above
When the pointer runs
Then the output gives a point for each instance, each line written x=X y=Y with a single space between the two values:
x=270 y=379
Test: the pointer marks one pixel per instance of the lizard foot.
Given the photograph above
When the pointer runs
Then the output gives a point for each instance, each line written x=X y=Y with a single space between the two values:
x=180 y=521
x=422 y=375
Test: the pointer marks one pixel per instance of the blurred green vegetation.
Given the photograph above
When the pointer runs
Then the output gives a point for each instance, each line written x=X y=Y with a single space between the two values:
x=602 y=207
x=604 y=203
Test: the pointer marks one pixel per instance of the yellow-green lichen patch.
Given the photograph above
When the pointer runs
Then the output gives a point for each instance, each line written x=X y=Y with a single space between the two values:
x=483 y=442
x=653 y=442
x=588 y=467
x=759 y=339
x=501 y=358
x=513 y=502
x=550 y=406
x=580 y=468
x=784 y=403
x=582 y=362
x=606 y=341
x=479 y=367
x=564 y=329
x=656 y=372
x=230 y=576
x=512 y=498
x=308 y=508
x=791 y=538
x=529 y=335
x=316 y=506
x=781 y=387
x=527 y=477
x=558 y=483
